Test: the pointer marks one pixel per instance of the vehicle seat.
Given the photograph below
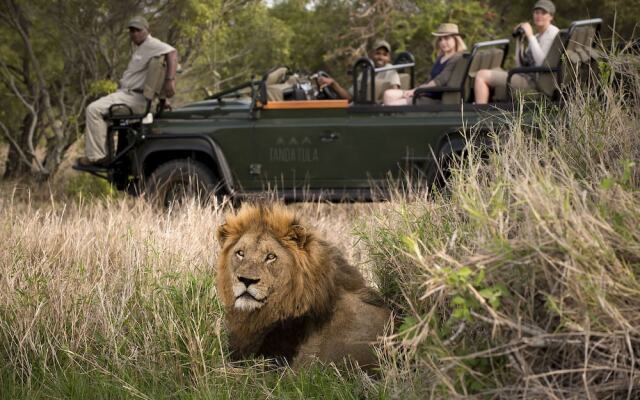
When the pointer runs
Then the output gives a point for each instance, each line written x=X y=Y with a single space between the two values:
x=405 y=81
x=407 y=75
x=275 y=83
x=457 y=80
x=489 y=58
x=575 y=47
x=489 y=55
x=582 y=57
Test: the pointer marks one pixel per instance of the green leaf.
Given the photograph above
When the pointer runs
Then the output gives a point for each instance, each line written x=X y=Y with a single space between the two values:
x=607 y=183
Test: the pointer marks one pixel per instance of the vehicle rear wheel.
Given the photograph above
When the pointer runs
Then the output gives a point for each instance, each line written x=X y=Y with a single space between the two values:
x=178 y=181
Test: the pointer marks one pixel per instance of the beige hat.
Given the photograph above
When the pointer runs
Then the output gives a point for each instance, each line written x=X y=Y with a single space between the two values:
x=138 y=22
x=382 y=44
x=447 y=29
x=546 y=5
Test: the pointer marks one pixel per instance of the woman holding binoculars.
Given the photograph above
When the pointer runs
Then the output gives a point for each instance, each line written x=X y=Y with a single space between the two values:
x=538 y=47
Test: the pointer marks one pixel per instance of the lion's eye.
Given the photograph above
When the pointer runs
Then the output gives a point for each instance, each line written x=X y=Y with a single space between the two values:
x=271 y=257
x=240 y=254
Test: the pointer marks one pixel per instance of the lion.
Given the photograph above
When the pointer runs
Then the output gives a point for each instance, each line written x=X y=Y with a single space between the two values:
x=290 y=295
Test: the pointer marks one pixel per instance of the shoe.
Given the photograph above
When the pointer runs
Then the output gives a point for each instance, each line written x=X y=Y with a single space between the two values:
x=85 y=162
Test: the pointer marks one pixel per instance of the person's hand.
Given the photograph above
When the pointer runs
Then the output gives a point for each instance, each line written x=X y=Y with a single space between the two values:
x=169 y=88
x=408 y=93
x=324 y=81
x=526 y=27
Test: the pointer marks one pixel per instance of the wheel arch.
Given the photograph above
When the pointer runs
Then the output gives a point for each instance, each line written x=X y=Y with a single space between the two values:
x=200 y=148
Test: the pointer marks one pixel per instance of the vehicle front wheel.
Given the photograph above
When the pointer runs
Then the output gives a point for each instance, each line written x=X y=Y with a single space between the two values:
x=178 y=181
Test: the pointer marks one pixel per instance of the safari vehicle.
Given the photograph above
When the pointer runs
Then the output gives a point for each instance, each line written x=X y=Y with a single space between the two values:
x=279 y=133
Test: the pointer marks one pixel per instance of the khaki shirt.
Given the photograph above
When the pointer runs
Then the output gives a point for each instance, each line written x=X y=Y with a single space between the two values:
x=136 y=72
x=391 y=76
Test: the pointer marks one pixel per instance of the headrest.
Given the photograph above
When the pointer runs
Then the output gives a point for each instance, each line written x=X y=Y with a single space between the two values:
x=275 y=76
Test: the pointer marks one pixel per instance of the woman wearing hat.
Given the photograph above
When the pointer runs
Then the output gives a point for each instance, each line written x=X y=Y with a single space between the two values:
x=535 y=54
x=450 y=45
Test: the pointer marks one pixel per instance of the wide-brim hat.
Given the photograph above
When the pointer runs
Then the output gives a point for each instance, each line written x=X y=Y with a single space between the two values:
x=447 y=29
x=138 y=23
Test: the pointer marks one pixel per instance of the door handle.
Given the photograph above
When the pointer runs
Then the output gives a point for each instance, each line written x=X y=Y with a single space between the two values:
x=330 y=137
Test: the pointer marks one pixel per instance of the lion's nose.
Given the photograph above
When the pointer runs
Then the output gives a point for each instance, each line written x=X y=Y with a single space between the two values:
x=248 y=281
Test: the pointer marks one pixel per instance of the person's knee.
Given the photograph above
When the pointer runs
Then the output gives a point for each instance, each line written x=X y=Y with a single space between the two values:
x=391 y=95
x=483 y=75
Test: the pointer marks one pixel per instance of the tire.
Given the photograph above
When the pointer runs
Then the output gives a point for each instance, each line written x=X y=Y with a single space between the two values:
x=176 y=182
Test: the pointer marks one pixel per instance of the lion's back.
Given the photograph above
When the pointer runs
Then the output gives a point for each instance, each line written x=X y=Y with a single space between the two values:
x=359 y=320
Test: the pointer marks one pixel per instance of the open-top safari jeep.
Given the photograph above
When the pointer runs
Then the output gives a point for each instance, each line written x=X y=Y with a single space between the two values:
x=274 y=133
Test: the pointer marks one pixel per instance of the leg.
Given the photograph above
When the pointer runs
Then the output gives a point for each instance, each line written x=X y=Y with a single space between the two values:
x=481 y=86
x=395 y=97
x=96 y=134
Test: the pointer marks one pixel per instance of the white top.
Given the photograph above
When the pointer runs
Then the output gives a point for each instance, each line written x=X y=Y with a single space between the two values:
x=540 y=43
x=136 y=72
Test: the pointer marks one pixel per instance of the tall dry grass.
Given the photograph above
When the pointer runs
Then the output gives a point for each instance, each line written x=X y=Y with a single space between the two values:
x=523 y=280
x=117 y=299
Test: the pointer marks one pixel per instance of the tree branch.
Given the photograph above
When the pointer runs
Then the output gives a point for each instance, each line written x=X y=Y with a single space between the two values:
x=15 y=145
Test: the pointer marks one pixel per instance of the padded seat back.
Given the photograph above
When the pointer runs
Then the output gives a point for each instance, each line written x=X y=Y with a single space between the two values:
x=548 y=83
x=405 y=81
x=484 y=58
x=575 y=47
x=457 y=80
x=581 y=42
x=275 y=83
x=275 y=76
x=154 y=82
x=490 y=58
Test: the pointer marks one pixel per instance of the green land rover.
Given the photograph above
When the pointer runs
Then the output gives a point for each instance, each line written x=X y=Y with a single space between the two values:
x=281 y=134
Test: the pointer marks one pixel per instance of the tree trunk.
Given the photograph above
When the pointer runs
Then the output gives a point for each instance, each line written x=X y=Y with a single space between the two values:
x=15 y=167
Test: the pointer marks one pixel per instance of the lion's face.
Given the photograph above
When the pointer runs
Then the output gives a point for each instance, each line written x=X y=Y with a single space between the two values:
x=259 y=270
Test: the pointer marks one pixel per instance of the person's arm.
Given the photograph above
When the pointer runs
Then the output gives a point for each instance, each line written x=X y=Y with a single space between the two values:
x=443 y=77
x=540 y=46
x=409 y=93
x=333 y=84
x=171 y=59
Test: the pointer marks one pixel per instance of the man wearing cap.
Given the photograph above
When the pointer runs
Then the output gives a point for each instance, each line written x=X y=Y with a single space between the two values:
x=130 y=89
x=539 y=45
x=386 y=79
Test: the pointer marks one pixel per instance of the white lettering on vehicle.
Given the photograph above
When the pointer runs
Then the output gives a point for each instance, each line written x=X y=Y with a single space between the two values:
x=293 y=154
x=293 y=150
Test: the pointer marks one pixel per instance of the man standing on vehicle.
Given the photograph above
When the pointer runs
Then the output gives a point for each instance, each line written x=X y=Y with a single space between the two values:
x=130 y=89
x=381 y=58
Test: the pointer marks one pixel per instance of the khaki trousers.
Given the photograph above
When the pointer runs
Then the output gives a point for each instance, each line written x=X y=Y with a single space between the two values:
x=96 y=135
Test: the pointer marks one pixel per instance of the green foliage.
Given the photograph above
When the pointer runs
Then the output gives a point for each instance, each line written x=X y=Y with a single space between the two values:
x=102 y=87
x=89 y=187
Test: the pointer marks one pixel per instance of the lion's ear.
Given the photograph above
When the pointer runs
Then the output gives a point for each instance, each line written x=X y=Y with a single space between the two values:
x=298 y=234
x=222 y=234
